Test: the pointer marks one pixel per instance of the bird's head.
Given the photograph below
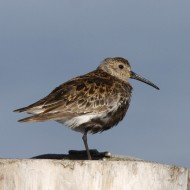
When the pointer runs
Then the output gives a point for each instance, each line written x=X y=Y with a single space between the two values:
x=120 y=68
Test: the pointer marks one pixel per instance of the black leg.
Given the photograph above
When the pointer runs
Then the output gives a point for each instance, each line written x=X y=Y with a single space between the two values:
x=84 y=138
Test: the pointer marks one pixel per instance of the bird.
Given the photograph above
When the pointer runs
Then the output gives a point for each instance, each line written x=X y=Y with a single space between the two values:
x=90 y=103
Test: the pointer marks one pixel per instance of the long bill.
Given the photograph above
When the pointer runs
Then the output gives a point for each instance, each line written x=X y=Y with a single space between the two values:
x=142 y=79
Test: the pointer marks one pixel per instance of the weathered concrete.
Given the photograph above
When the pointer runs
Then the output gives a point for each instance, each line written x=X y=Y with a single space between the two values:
x=45 y=174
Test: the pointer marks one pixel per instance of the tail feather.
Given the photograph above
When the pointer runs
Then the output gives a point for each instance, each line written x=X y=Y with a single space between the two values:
x=46 y=117
x=21 y=109
x=30 y=110
x=34 y=118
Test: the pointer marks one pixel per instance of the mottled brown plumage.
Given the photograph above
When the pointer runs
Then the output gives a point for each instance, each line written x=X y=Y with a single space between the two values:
x=90 y=103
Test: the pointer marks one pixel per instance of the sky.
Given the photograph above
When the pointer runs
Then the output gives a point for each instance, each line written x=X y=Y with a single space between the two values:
x=45 y=43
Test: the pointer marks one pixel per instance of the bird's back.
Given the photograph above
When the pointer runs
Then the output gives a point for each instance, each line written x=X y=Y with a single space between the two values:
x=85 y=100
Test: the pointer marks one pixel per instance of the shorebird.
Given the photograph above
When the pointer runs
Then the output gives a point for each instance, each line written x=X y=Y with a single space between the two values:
x=90 y=103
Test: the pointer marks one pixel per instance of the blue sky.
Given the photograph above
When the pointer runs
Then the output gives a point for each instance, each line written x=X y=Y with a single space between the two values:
x=44 y=43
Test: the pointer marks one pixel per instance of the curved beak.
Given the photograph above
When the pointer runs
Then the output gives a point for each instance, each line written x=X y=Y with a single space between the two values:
x=142 y=79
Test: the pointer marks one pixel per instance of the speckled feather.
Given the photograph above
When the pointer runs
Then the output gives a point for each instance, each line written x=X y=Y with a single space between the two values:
x=93 y=102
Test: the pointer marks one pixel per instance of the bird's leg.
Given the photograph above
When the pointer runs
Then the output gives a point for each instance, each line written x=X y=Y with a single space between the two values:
x=84 y=138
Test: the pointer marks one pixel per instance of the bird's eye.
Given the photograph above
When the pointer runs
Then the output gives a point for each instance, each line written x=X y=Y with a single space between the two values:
x=121 y=66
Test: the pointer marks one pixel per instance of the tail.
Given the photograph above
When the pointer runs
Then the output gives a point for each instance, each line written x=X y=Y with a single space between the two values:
x=21 y=109
x=27 y=119
x=34 y=118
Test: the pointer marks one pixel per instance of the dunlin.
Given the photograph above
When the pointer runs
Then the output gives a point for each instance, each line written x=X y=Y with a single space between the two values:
x=90 y=103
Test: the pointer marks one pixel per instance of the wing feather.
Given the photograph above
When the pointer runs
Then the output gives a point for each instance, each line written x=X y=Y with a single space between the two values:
x=94 y=92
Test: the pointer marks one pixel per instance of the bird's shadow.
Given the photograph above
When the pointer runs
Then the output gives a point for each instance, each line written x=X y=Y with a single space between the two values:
x=74 y=155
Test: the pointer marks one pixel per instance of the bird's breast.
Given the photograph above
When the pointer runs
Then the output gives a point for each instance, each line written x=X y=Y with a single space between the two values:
x=97 y=122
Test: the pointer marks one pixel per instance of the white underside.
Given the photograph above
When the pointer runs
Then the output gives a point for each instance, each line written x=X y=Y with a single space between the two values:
x=77 y=121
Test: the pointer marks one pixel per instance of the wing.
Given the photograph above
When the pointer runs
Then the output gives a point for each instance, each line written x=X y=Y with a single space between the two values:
x=95 y=92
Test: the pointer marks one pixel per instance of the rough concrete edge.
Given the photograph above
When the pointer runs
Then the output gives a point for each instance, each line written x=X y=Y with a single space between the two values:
x=113 y=158
x=101 y=156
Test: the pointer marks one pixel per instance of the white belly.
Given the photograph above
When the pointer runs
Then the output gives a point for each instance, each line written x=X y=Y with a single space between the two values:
x=74 y=122
x=77 y=121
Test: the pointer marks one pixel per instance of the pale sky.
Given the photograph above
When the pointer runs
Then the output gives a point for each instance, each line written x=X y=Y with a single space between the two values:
x=45 y=43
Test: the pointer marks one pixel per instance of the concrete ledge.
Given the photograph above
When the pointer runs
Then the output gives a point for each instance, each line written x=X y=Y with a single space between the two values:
x=44 y=174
